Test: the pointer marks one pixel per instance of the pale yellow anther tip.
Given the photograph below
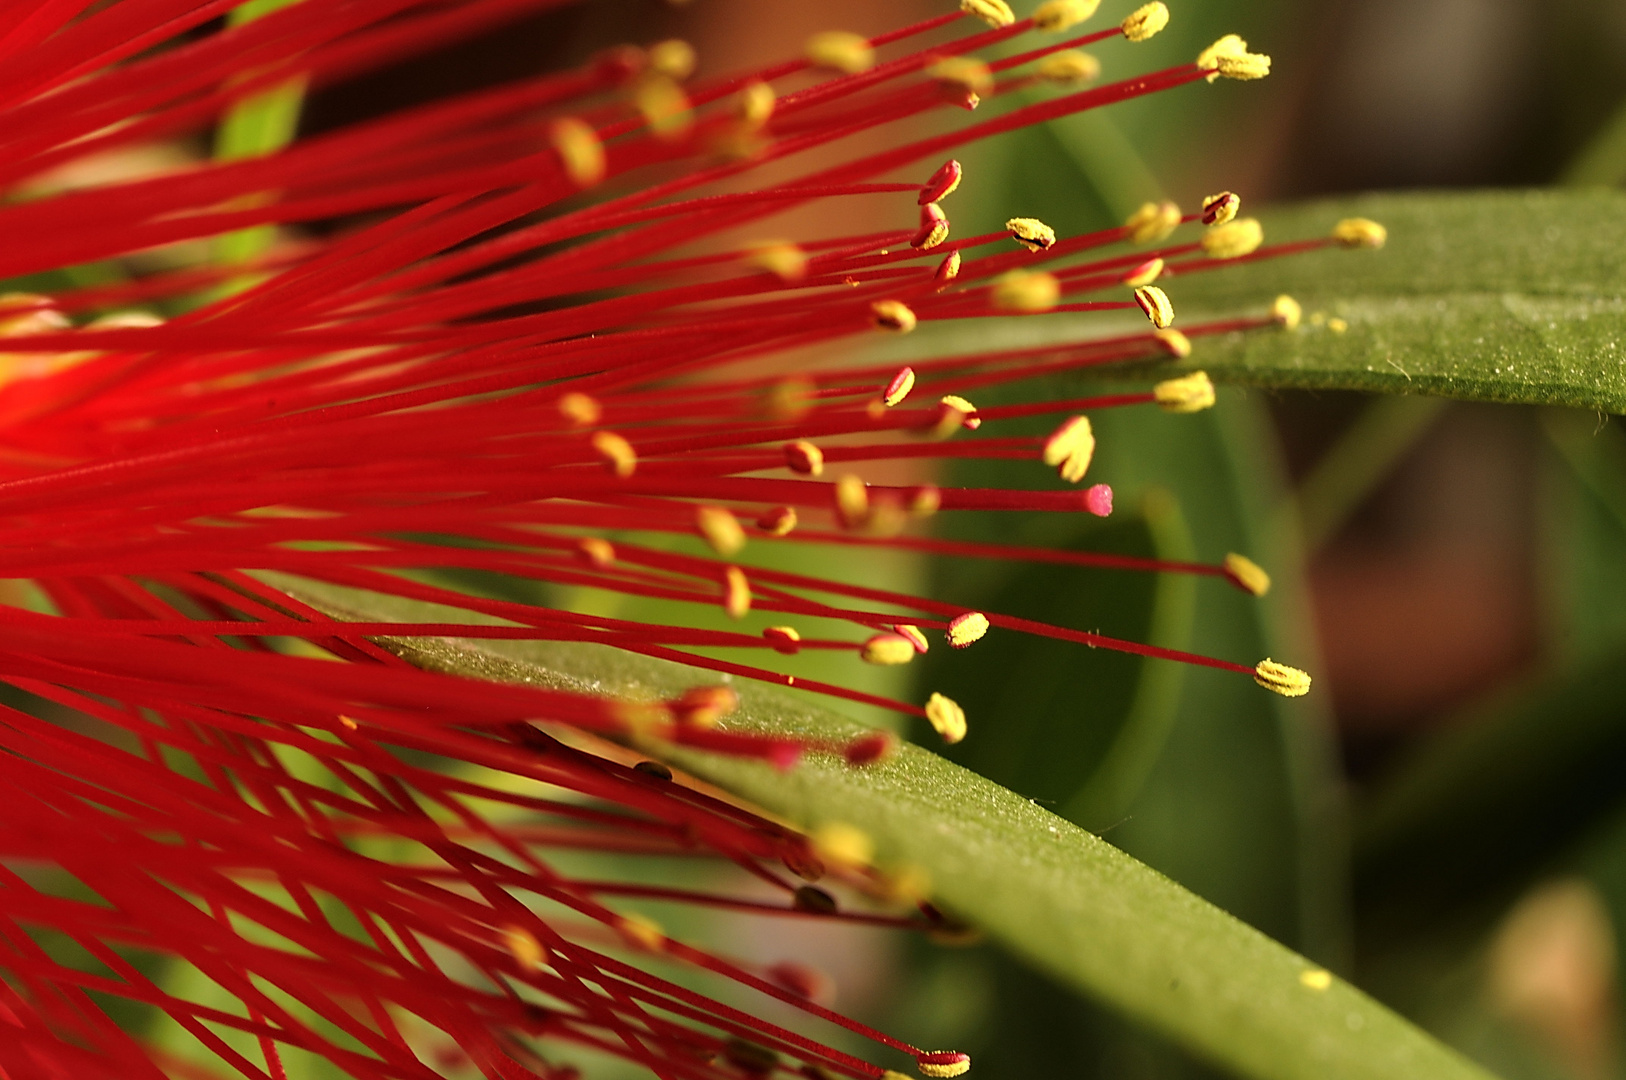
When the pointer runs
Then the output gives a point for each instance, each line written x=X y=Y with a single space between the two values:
x=618 y=454
x=804 y=457
x=838 y=844
x=1287 y=312
x=1152 y=222
x=1247 y=574
x=736 y=593
x=900 y=386
x=892 y=315
x=1069 y=67
x=579 y=150
x=1187 y=394
x=888 y=650
x=941 y=1064
x=962 y=73
x=1317 y=979
x=1031 y=233
x=996 y=13
x=1284 y=680
x=1360 y=233
x=946 y=718
x=579 y=409
x=1145 y=22
x=1022 y=290
x=840 y=50
x=720 y=528
x=1070 y=448
x=1054 y=16
x=1229 y=58
x=1154 y=302
x=1221 y=209
x=1144 y=274
x=674 y=58
x=664 y=105
x=965 y=629
x=755 y=102
x=1174 y=342
x=1234 y=239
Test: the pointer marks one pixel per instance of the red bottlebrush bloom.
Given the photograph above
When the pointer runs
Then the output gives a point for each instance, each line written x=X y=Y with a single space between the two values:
x=518 y=327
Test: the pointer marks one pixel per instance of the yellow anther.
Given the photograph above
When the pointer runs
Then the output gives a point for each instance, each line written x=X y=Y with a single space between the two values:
x=1229 y=57
x=914 y=636
x=579 y=150
x=641 y=717
x=118 y=320
x=790 y=398
x=934 y=228
x=1234 y=239
x=1284 y=680
x=1031 y=233
x=955 y=412
x=892 y=315
x=899 y=387
x=1177 y=344
x=926 y=500
x=942 y=183
x=1055 y=16
x=965 y=629
x=617 y=453
x=778 y=521
x=674 y=58
x=785 y=261
x=522 y=945
x=754 y=103
x=1144 y=274
x=1070 y=448
x=598 y=552
x=720 y=528
x=736 y=593
x=941 y=1064
x=1187 y=394
x=1152 y=222
x=1287 y=312
x=783 y=639
x=838 y=844
x=946 y=718
x=1316 y=979
x=995 y=13
x=704 y=706
x=664 y=106
x=1229 y=45
x=1155 y=303
x=1069 y=68
x=349 y=722
x=963 y=73
x=1024 y=290
x=1359 y=233
x=641 y=932
x=1337 y=325
x=1145 y=22
x=947 y=270
x=1247 y=574
x=888 y=649
x=840 y=50
x=804 y=457
x=852 y=500
x=579 y=409
x=1221 y=208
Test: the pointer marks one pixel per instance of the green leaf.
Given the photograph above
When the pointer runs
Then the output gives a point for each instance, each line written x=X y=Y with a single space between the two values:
x=1065 y=900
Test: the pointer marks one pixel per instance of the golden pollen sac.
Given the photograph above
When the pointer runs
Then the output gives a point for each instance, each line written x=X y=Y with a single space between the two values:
x=736 y=593
x=1025 y=290
x=940 y=1064
x=1155 y=303
x=783 y=639
x=899 y=387
x=1287 y=312
x=1144 y=274
x=522 y=945
x=787 y=262
x=641 y=932
x=1244 y=67
x=755 y=103
x=664 y=105
x=1234 y=239
x=1360 y=233
x=579 y=149
x=1284 y=680
x=892 y=315
x=934 y=228
x=1174 y=342
x=1069 y=67
x=838 y=844
x=996 y=13
x=674 y=58
x=1220 y=209
x=579 y=409
x=596 y=551
x=888 y=649
x=804 y=457
x=946 y=718
x=954 y=413
x=618 y=454
x=852 y=500
x=963 y=74
x=941 y=183
x=915 y=637
x=1229 y=45
x=779 y=521
x=1187 y=394
x=1070 y=448
x=965 y=629
x=1144 y=23
x=720 y=528
x=1031 y=233
x=1246 y=574
x=1054 y=16
x=947 y=271
x=1152 y=222
x=840 y=50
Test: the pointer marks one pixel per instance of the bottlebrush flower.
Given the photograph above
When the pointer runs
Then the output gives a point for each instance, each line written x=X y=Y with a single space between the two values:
x=506 y=333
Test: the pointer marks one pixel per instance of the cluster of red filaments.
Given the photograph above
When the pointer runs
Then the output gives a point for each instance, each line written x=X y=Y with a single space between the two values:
x=524 y=334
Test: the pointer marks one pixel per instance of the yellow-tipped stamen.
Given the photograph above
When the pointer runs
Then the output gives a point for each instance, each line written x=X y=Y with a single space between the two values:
x=755 y=103
x=888 y=649
x=1234 y=239
x=996 y=13
x=840 y=50
x=892 y=315
x=1229 y=57
x=915 y=637
x=1069 y=67
x=664 y=106
x=579 y=409
x=674 y=58
x=934 y=228
x=596 y=551
x=778 y=521
x=1221 y=209
x=804 y=457
x=579 y=149
x=1187 y=394
x=1287 y=312
x=1177 y=344
x=1229 y=45
x=704 y=706
x=1070 y=448
x=1247 y=573
x=641 y=932
x=838 y=844
x=947 y=271
x=736 y=593
x=956 y=413
x=1054 y=16
x=943 y=1064
x=926 y=500
x=1024 y=290
x=964 y=630
x=899 y=387
x=946 y=718
x=1143 y=23
x=618 y=454
x=720 y=528
x=785 y=261
x=1360 y=233
x=528 y=953
x=783 y=639
x=1153 y=222
x=1144 y=274
x=852 y=500
x=1155 y=303
x=963 y=73
x=1284 y=680
x=1031 y=233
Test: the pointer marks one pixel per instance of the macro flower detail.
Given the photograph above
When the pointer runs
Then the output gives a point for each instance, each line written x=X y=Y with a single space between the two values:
x=505 y=351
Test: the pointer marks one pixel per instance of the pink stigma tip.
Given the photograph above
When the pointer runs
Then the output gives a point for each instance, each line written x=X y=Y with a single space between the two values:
x=1098 y=500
